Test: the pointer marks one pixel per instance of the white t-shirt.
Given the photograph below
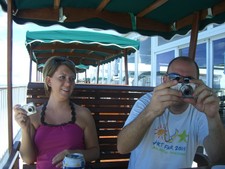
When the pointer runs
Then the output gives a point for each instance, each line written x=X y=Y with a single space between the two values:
x=171 y=141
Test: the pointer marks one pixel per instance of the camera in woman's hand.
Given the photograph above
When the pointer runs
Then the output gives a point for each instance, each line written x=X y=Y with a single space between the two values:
x=29 y=108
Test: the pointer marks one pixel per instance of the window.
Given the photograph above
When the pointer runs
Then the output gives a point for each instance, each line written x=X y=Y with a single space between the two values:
x=218 y=65
x=200 y=58
x=163 y=60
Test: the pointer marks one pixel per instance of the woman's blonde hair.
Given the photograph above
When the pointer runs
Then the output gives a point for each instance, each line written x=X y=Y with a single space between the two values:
x=52 y=65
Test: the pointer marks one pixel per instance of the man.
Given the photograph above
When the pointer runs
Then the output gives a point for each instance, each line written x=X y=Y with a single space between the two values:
x=166 y=126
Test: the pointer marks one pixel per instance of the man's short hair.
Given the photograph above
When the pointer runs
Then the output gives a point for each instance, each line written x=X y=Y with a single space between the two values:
x=186 y=59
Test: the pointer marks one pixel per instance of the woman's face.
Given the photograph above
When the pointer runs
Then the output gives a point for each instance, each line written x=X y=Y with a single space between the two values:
x=62 y=82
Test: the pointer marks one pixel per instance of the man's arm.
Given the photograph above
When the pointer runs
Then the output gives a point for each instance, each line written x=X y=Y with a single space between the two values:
x=208 y=102
x=215 y=141
x=131 y=135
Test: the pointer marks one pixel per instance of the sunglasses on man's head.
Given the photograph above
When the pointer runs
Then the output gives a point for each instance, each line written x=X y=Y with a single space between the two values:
x=178 y=77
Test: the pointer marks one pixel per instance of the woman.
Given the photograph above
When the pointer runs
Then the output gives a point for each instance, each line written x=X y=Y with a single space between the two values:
x=59 y=127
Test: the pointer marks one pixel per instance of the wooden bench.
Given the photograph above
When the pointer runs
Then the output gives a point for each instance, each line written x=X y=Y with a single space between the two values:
x=222 y=109
x=110 y=106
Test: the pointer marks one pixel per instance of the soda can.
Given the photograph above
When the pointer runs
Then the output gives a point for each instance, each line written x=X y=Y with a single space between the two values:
x=74 y=161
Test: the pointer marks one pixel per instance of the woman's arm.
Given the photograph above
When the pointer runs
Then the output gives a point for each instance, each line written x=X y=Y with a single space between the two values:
x=27 y=147
x=92 y=150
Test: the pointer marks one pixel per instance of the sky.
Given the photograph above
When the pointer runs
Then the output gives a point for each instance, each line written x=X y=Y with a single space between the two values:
x=20 y=55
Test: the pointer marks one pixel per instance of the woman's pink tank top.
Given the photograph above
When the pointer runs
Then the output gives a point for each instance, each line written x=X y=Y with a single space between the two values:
x=53 y=139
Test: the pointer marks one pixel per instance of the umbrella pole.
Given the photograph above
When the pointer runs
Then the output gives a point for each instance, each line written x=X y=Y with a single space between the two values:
x=30 y=67
x=126 y=67
x=98 y=72
x=9 y=75
x=85 y=76
x=194 y=36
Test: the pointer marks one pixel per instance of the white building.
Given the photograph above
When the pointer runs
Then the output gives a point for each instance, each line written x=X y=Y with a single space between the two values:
x=147 y=65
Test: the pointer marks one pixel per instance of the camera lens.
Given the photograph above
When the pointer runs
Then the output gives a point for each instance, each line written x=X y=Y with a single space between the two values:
x=30 y=109
x=187 y=90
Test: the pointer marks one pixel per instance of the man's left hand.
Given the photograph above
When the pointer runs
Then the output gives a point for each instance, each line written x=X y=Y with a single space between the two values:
x=205 y=100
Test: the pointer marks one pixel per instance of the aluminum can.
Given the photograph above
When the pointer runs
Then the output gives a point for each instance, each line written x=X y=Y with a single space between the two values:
x=74 y=161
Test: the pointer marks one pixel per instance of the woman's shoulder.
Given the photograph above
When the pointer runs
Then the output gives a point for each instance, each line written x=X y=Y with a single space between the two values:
x=83 y=115
x=81 y=109
x=83 y=112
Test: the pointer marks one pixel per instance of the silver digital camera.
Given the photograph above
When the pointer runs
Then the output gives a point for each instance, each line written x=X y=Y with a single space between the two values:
x=30 y=108
x=187 y=89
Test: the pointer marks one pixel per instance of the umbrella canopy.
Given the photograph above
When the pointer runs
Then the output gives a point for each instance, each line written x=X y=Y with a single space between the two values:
x=83 y=47
x=79 y=68
x=153 y=17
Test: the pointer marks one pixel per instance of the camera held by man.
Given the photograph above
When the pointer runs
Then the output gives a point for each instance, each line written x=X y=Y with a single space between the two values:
x=187 y=89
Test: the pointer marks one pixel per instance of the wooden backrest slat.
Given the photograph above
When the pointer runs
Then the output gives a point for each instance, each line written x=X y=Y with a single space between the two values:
x=110 y=125
x=112 y=116
x=112 y=156
x=108 y=133
x=105 y=102
x=110 y=109
x=111 y=165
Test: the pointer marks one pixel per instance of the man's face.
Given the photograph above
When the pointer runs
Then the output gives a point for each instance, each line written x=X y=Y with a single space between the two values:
x=184 y=69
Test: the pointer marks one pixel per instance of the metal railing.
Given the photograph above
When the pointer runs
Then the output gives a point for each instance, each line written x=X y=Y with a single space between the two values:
x=19 y=97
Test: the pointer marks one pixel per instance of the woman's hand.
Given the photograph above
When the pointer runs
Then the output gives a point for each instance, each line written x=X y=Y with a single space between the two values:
x=20 y=115
x=58 y=159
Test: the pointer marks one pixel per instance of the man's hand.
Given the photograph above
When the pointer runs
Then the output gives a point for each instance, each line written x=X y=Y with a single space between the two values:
x=163 y=97
x=205 y=99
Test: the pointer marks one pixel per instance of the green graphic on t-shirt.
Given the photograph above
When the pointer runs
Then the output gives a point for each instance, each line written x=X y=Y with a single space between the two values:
x=174 y=143
x=183 y=136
